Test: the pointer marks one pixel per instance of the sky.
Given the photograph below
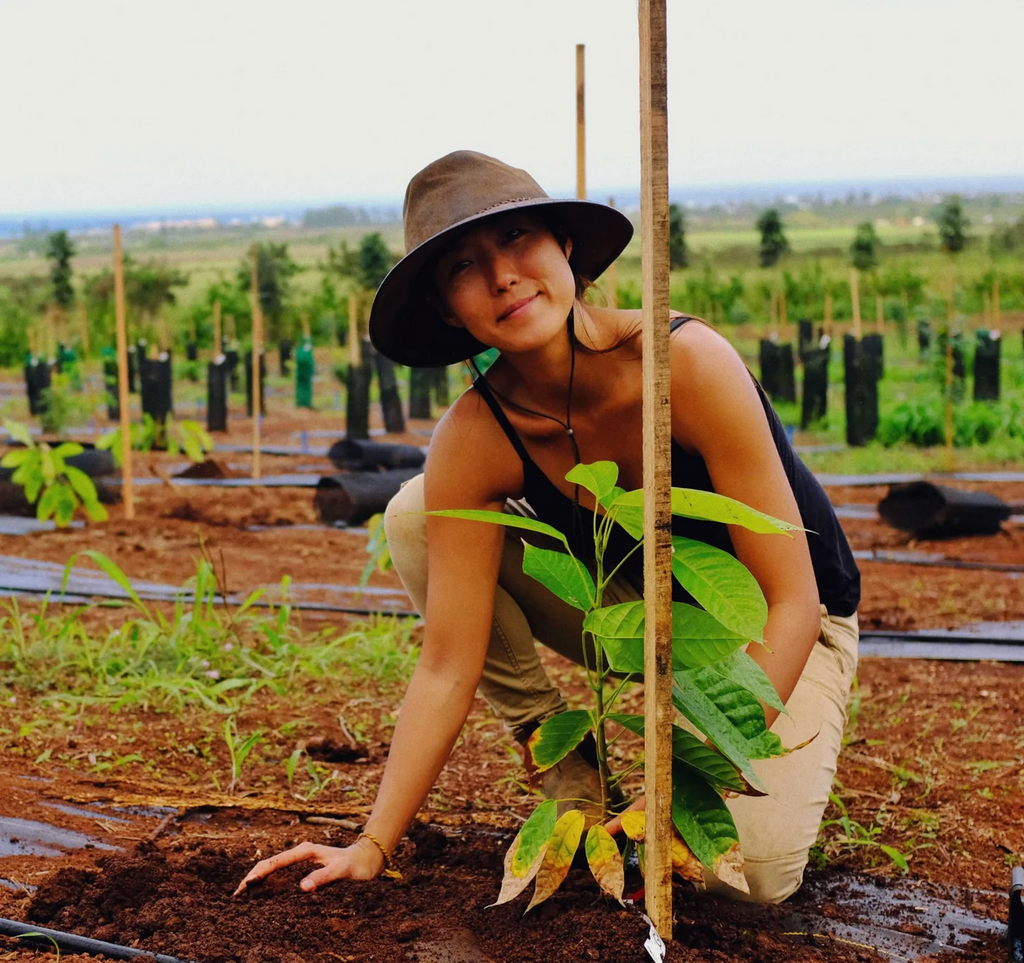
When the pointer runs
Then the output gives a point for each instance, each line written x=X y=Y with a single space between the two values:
x=195 y=105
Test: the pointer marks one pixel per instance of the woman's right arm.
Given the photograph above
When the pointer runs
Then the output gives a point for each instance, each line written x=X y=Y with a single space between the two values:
x=469 y=466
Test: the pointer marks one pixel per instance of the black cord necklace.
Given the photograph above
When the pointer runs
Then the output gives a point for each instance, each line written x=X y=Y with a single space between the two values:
x=577 y=521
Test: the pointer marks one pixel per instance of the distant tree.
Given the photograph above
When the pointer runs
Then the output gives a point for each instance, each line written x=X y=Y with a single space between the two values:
x=374 y=261
x=1008 y=238
x=773 y=240
x=274 y=269
x=678 y=256
x=148 y=286
x=864 y=249
x=952 y=225
x=60 y=251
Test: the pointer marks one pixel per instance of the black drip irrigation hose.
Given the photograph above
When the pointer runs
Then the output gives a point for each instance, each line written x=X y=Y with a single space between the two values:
x=73 y=943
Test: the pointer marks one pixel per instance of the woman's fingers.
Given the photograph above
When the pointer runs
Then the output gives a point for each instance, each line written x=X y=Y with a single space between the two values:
x=297 y=854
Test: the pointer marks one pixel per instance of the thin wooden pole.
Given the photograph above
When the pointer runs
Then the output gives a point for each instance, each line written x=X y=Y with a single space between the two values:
x=996 y=320
x=783 y=316
x=355 y=351
x=855 y=299
x=83 y=324
x=122 y=379
x=257 y=347
x=827 y=320
x=880 y=314
x=657 y=464
x=581 y=124
x=218 y=341
x=305 y=327
x=611 y=276
x=949 y=369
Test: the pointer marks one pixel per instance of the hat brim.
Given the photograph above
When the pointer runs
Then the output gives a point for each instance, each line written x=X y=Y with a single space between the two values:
x=407 y=329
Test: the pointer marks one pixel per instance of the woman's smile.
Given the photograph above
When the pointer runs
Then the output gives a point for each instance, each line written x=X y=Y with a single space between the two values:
x=516 y=309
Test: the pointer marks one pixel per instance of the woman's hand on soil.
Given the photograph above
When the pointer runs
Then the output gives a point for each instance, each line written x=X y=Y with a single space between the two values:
x=614 y=825
x=362 y=860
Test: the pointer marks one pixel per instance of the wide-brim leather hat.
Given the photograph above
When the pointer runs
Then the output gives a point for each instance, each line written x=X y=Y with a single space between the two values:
x=443 y=200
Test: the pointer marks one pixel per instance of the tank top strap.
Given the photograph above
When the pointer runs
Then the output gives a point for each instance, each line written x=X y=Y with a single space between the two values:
x=676 y=323
x=484 y=388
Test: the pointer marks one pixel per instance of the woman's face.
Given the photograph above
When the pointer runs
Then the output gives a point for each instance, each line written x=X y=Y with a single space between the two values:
x=508 y=283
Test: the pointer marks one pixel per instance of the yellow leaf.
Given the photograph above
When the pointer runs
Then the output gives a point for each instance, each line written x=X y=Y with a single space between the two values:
x=729 y=869
x=512 y=885
x=684 y=862
x=562 y=846
x=634 y=824
x=605 y=861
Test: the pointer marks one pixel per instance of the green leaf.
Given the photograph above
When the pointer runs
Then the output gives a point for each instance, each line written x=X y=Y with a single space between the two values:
x=19 y=432
x=598 y=478
x=721 y=584
x=742 y=669
x=896 y=856
x=109 y=568
x=727 y=714
x=561 y=574
x=83 y=485
x=47 y=505
x=47 y=465
x=702 y=760
x=630 y=517
x=697 y=637
x=33 y=483
x=501 y=518
x=704 y=822
x=95 y=511
x=66 y=505
x=15 y=457
x=553 y=740
x=67 y=449
x=712 y=507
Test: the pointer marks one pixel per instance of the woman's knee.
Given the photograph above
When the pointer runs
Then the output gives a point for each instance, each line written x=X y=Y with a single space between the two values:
x=404 y=523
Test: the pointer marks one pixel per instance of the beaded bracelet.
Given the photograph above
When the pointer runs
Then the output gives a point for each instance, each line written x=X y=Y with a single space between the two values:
x=389 y=866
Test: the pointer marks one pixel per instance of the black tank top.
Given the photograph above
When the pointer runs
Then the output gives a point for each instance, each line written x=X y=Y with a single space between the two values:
x=835 y=570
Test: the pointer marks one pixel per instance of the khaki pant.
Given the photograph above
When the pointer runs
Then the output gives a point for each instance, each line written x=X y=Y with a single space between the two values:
x=775 y=831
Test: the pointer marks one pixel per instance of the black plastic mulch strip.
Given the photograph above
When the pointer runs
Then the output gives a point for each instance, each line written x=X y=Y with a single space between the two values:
x=933 y=561
x=73 y=943
x=901 y=647
x=289 y=480
x=854 y=481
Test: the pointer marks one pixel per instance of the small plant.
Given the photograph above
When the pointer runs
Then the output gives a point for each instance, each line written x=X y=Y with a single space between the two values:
x=238 y=749
x=186 y=436
x=717 y=687
x=851 y=834
x=56 y=488
x=58 y=407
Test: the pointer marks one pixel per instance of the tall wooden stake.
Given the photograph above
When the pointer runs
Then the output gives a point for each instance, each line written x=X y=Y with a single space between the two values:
x=257 y=348
x=949 y=368
x=783 y=317
x=827 y=320
x=355 y=350
x=305 y=327
x=995 y=306
x=855 y=298
x=122 y=379
x=581 y=126
x=880 y=314
x=83 y=324
x=611 y=276
x=657 y=467
x=218 y=340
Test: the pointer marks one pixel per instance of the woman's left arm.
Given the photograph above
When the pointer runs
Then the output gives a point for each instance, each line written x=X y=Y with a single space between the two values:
x=717 y=413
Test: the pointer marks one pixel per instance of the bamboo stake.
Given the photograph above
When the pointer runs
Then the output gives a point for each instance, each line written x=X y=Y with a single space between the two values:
x=581 y=125
x=949 y=369
x=783 y=317
x=657 y=463
x=855 y=298
x=995 y=306
x=122 y=379
x=83 y=324
x=305 y=327
x=986 y=310
x=827 y=321
x=880 y=314
x=355 y=351
x=611 y=276
x=257 y=347
x=218 y=340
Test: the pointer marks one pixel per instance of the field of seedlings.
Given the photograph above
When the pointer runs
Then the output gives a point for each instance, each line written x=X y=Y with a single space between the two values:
x=191 y=689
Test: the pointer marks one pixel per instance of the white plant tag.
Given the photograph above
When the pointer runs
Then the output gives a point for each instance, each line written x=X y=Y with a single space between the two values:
x=654 y=944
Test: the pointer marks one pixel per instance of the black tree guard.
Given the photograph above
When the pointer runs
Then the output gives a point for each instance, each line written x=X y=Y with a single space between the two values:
x=390 y=400
x=861 y=374
x=217 y=395
x=986 y=366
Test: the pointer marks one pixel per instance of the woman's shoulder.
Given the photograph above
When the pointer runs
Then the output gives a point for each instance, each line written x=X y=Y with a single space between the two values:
x=469 y=450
